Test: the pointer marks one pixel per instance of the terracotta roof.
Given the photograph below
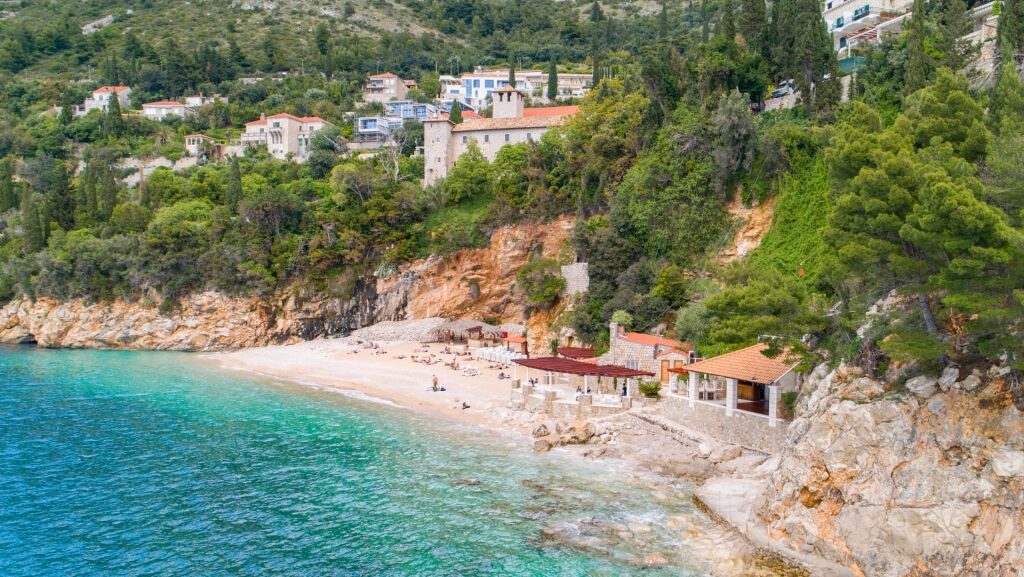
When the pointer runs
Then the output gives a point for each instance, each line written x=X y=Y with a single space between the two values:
x=508 y=89
x=576 y=352
x=105 y=89
x=656 y=341
x=551 y=111
x=286 y=115
x=569 y=366
x=514 y=339
x=746 y=365
x=465 y=115
x=164 y=103
x=509 y=123
x=384 y=75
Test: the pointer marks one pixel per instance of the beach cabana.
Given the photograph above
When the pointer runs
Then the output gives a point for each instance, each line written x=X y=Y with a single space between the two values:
x=465 y=330
x=515 y=344
x=550 y=366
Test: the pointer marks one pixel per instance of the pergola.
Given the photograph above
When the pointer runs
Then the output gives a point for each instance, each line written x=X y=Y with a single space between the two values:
x=551 y=365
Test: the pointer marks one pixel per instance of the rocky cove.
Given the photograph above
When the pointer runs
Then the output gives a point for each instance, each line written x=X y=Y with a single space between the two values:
x=470 y=283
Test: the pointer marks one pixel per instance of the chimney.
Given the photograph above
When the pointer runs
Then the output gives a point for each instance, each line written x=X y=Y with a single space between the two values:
x=507 y=102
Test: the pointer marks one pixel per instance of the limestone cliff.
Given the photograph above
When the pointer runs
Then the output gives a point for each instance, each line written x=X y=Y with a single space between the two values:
x=476 y=283
x=922 y=479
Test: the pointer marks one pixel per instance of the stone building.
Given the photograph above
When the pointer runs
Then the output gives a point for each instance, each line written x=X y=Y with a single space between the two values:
x=445 y=142
x=644 y=352
x=163 y=108
x=284 y=135
x=386 y=87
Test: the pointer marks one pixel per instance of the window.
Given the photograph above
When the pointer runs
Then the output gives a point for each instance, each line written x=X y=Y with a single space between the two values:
x=464 y=140
x=488 y=84
x=487 y=138
x=529 y=137
x=635 y=365
x=476 y=84
x=506 y=137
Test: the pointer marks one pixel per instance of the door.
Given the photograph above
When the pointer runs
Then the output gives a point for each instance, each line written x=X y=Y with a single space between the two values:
x=664 y=371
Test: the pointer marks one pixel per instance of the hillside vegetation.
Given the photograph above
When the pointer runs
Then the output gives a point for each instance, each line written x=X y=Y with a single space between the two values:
x=911 y=189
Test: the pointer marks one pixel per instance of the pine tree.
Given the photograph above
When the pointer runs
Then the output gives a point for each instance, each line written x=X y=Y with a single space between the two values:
x=916 y=72
x=455 y=115
x=1007 y=102
x=553 y=80
x=66 y=115
x=233 y=193
x=752 y=23
x=727 y=27
x=8 y=194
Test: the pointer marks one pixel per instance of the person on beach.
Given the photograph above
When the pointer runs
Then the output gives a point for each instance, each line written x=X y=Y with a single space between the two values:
x=435 y=383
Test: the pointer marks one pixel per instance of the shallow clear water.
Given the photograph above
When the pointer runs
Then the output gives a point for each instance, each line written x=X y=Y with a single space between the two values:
x=132 y=464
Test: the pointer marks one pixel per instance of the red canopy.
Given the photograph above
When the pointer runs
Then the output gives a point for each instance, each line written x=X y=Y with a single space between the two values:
x=569 y=366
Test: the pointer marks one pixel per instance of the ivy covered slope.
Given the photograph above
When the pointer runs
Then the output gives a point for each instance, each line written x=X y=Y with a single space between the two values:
x=910 y=188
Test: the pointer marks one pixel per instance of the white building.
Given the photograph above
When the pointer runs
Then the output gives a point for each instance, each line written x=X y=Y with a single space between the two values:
x=445 y=142
x=854 y=19
x=161 y=109
x=476 y=88
x=285 y=136
x=201 y=100
x=100 y=99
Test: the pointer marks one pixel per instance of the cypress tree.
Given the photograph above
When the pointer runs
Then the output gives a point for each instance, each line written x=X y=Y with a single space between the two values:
x=113 y=125
x=752 y=23
x=8 y=195
x=455 y=116
x=553 y=80
x=234 y=189
x=1011 y=29
x=916 y=72
x=954 y=26
x=33 y=231
x=663 y=21
x=106 y=194
x=728 y=24
x=512 y=74
x=703 y=20
x=803 y=48
x=85 y=213
x=60 y=200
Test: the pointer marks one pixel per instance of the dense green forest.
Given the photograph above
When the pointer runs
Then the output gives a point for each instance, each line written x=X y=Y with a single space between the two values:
x=911 y=187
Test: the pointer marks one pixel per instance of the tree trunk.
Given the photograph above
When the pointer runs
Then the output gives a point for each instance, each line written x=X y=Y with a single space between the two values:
x=927 y=315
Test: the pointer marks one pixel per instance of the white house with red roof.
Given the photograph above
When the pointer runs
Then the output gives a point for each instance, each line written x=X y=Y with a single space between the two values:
x=644 y=352
x=100 y=99
x=161 y=109
x=444 y=142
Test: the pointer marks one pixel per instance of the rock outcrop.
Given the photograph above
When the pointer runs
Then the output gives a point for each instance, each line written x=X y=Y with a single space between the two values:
x=922 y=480
x=206 y=321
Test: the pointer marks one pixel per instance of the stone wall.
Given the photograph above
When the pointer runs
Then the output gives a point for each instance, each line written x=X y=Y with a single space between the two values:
x=577 y=278
x=742 y=428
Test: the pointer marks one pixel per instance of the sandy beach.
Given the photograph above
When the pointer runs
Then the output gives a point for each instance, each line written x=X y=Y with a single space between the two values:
x=388 y=371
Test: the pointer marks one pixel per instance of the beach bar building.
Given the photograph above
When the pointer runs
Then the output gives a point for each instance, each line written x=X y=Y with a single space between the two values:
x=741 y=382
x=569 y=388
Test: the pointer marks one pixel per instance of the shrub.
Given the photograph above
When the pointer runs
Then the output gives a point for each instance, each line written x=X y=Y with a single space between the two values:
x=541 y=282
x=650 y=389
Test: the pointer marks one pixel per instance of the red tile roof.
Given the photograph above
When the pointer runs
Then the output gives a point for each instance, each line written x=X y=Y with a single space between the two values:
x=509 y=123
x=569 y=366
x=656 y=341
x=384 y=75
x=551 y=111
x=514 y=339
x=577 y=353
x=747 y=364
x=465 y=114
x=286 y=115
x=105 y=89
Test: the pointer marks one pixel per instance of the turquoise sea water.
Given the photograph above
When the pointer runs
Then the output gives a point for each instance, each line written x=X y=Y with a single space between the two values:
x=133 y=464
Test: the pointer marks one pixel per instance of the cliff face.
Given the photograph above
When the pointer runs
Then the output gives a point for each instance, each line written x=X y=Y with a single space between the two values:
x=472 y=284
x=927 y=481
x=204 y=322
